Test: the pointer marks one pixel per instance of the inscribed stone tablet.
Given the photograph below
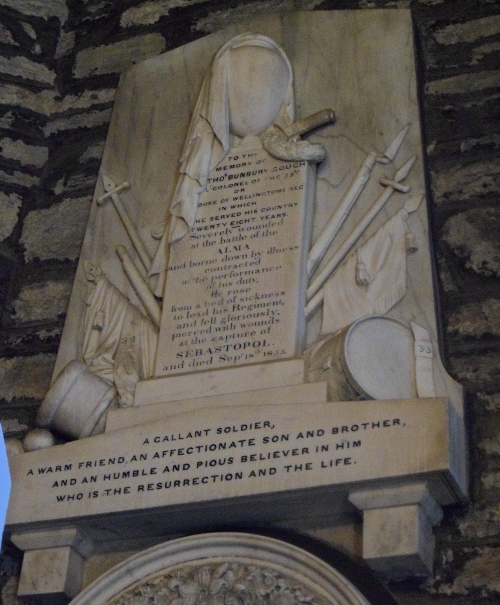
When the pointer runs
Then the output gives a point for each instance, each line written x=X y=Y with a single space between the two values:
x=235 y=286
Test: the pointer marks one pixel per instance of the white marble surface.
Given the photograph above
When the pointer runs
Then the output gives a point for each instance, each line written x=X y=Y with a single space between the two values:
x=373 y=358
x=398 y=540
x=76 y=402
x=54 y=538
x=217 y=453
x=340 y=60
x=51 y=575
x=218 y=382
x=298 y=393
x=259 y=463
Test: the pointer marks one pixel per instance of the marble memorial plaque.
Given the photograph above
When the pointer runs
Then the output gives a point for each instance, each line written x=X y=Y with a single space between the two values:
x=194 y=203
x=219 y=238
x=226 y=257
x=220 y=453
x=235 y=291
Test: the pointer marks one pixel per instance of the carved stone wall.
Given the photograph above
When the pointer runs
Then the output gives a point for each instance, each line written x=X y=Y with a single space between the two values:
x=59 y=66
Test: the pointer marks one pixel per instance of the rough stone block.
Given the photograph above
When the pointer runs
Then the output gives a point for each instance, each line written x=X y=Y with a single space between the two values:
x=476 y=143
x=473 y=237
x=466 y=182
x=149 y=13
x=56 y=232
x=481 y=522
x=464 y=83
x=89 y=119
x=489 y=402
x=6 y=36
x=477 y=372
x=218 y=19
x=75 y=182
x=116 y=57
x=490 y=446
x=470 y=31
x=490 y=481
x=94 y=152
x=479 y=573
x=16 y=177
x=27 y=70
x=13 y=427
x=48 y=102
x=476 y=319
x=27 y=377
x=27 y=155
x=9 y=209
x=55 y=8
x=39 y=302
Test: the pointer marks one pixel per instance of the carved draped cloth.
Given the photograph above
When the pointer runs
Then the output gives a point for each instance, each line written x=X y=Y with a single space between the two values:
x=119 y=342
x=208 y=141
x=370 y=281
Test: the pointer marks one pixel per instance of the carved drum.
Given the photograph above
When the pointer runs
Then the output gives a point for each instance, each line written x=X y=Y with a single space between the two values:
x=76 y=403
x=373 y=358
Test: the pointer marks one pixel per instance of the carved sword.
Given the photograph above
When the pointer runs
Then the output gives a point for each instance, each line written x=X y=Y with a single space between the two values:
x=347 y=202
x=284 y=143
x=112 y=192
x=315 y=294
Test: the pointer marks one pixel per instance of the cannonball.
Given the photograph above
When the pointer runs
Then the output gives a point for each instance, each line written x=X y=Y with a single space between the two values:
x=14 y=446
x=38 y=439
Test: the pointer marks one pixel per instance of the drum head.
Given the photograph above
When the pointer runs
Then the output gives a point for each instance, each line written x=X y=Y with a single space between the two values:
x=378 y=358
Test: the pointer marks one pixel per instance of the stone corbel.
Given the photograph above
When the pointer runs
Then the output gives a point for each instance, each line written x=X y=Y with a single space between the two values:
x=53 y=563
x=398 y=539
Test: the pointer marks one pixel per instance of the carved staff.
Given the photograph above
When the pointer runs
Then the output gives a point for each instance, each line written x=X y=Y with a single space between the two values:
x=144 y=294
x=339 y=216
x=314 y=294
x=112 y=192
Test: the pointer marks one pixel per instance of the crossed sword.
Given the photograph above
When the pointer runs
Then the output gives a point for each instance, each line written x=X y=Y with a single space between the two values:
x=315 y=293
x=132 y=271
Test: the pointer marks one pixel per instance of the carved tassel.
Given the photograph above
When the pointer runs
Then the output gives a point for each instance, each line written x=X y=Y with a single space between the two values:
x=411 y=242
x=98 y=321
x=362 y=275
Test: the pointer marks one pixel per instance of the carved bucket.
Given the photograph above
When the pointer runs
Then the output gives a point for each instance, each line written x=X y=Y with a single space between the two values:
x=77 y=402
x=373 y=358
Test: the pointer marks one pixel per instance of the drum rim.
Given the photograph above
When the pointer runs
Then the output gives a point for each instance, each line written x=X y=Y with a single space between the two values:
x=58 y=390
x=343 y=358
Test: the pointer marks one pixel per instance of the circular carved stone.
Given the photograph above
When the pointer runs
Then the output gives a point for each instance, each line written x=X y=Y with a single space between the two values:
x=38 y=439
x=222 y=569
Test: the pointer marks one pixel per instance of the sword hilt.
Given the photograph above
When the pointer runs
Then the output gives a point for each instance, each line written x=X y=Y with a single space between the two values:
x=102 y=198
